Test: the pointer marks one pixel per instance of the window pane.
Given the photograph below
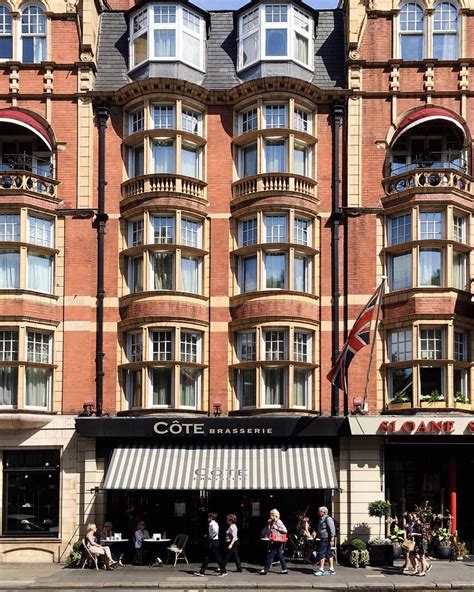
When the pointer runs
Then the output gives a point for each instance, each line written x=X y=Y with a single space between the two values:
x=274 y=386
x=301 y=274
x=399 y=229
x=190 y=275
x=431 y=344
x=136 y=121
x=411 y=47
x=9 y=227
x=275 y=116
x=165 y=43
x=432 y=382
x=460 y=346
x=445 y=47
x=163 y=229
x=38 y=347
x=247 y=386
x=135 y=233
x=249 y=160
x=431 y=225
x=40 y=231
x=135 y=347
x=135 y=276
x=9 y=269
x=31 y=487
x=430 y=268
x=301 y=347
x=136 y=161
x=190 y=161
x=275 y=156
x=275 y=346
x=163 y=155
x=191 y=121
x=400 y=345
x=133 y=385
x=275 y=271
x=8 y=385
x=5 y=21
x=400 y=384
x=40 y=272
x=248 y=274
x=34 y=50
x=191 y=49
x=461 y=392
x=400 y=271
x=459 y=271
x=140 y=49
x=162 y=345
x=161 y=386
x=249 y=121
x=251 y=20
x=191 y=21
x=247 y=347
x=37 y=387
x=301 y=158
x=276 y=13
x=163 y=116
x=163 y=264
x=191 y=233
x=301 y=48
x=275 y=229
x=164 y=14
x=302 y=120
x=250 y=48
x=8 y=345
x=189 y=347
x=459 y=228
x=248 y=232
x=302 y=231
x=276 y=42
x=300 y=387
x=6 y=48
x=189 y=383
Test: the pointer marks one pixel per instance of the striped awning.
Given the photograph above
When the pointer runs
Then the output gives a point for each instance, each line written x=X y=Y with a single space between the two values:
x=190 y=467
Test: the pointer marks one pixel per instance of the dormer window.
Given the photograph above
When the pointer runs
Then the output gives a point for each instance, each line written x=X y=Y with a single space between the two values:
x=167 y=32
x=275 y=32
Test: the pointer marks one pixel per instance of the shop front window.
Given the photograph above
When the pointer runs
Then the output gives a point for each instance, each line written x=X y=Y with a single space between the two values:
x=31 y=481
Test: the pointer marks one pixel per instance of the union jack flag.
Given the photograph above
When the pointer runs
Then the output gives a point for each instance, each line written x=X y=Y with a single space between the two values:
x=359 y=337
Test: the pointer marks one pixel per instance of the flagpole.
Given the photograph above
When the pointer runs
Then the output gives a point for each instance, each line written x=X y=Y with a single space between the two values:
x=372 y=347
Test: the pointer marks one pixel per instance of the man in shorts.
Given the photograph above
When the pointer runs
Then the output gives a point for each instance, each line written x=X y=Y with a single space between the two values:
x=326 y=535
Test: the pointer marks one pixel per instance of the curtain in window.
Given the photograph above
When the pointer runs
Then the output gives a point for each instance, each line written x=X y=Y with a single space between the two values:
x=39 y=272
x=37 y=387
x=248 y=387
x=135 y=283
x=189 y=382
x=301 y=48
x=165 y=43
x=275 y=270
x=249 y=274
x=190 y=275
x=445 y=47
x=274 y=386
x=300 y=161
x=300 y=387
x=249 y=158
x=275 y=156
x=34 y=50
x=430 y=268
x=9 y=269
x=189 y=162
x=8 y=385
x=191 y=49
x=459 y=271
x=163 y=271
x=134 y=388
x=400 y=271
x=300 y=271
x=161 y=381
x=163 y=153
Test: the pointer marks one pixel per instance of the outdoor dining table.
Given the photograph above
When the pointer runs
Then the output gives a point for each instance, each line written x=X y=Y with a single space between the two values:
x=157 y=561
x=119 y=544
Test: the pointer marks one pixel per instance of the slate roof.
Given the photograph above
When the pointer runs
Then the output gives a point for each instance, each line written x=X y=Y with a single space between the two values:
x=221 y=71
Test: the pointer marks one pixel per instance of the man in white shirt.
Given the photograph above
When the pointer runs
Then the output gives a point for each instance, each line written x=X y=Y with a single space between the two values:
x=212 y=547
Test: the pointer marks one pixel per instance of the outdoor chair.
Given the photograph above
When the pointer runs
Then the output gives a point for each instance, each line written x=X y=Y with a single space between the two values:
x=88 y=558
x=297 y=550
x=177 y=548
x=138 y=557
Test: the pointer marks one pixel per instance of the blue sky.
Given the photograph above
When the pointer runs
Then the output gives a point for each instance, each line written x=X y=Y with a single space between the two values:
x=231 y=4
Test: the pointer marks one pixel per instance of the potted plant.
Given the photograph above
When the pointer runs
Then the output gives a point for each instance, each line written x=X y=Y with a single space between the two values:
x=397 y=537
x=380 y=551
x=359 y=556
x=380 y=509
x=75 y=556
x=458 y=549
x=442 y=542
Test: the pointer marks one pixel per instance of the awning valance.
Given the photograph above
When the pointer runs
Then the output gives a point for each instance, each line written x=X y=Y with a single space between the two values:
x=424 y=115
x=191 y=467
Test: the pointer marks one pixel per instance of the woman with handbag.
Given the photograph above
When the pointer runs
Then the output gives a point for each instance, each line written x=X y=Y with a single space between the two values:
x=420 y=536
x=408 y=545
x=276 y=532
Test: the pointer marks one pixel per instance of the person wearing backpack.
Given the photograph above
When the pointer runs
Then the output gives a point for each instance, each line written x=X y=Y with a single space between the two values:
x=326 y=535
x=276 y=532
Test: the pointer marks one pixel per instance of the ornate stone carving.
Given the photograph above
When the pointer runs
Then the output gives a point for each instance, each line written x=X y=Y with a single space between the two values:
x=86 y=56
x=354 y=54
x=71 y=5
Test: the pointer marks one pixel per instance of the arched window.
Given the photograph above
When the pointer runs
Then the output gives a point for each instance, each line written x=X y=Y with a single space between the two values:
x=33 y=35
x=411 y=32
x=6 y=38
x=445 y=32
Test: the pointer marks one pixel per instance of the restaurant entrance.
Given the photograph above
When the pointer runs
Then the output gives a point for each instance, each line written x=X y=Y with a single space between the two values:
x=175 y=512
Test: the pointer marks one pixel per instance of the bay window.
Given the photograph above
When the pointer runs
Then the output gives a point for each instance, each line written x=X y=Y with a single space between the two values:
x=275 y=155
x=168 y=32
x=430 y=267
x=275 y=32
x=248 y=160
x=8 y=374
x=9 y=269
x=248 y=121
x=400 y=271
x=164 y=156
x=173 y=369
x=163 y=271
x=275 y=270
x=247 y=274
x=163 y=116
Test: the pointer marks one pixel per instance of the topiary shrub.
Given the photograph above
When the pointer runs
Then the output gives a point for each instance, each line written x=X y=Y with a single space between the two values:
x=358 y=544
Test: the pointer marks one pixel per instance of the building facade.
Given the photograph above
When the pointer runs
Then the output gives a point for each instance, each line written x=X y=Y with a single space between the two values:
x=197 y=206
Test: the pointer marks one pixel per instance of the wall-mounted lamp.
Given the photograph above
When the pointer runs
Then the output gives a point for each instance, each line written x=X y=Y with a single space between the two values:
x=217 y=408
x=357 y=406
x=87 y=409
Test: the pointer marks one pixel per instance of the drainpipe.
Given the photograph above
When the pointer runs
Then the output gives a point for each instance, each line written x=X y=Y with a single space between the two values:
x=100 y=222
x=337 y=113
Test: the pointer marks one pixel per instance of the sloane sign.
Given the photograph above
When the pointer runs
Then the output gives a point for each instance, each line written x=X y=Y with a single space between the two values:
x=423 y=426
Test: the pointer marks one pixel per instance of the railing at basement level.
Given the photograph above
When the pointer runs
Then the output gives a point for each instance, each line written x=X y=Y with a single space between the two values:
x=29 y=182
x=163 y=183
x=271 y=182
x=428 y=179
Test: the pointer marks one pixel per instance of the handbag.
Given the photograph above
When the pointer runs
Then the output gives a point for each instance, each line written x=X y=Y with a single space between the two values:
x=408 y=545
x=276 y=536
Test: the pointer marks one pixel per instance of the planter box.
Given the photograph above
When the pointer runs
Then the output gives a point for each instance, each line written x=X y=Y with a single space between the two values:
x=400 y=406
x=438 y=405
x=381 y=555
x=463 y=406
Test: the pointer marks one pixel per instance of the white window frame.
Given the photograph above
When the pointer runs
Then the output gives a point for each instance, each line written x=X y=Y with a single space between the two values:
x=284 y=371
x=267 y=236
x=173 y=228
x=242 y=241
x=6 y=28
x=305 y=353
x=35 y=35
x=278 y=108
x=172 y=256
x=302 y=120
x=181 y=29
x=415 y=32
x=460 y=338
x=11 y=224
x=308 y=273
x=308 y=387
x=135 y=346
x=240 y=340
x=275 y=252
x=168 y=117
x=49 y=338
x=402 y=341
x=291 y=25
x=434 y=334
x=248 y=120
x=191 y=121
x=454 y=32
x=131 y=279
x=282 y=354
x=302 y=236
x=185 y=357
x=191 y=235
x=395 y=234
x=136 y=121
x=431 y=229
x=459 y=228
x=134 y=230
x=161 y=333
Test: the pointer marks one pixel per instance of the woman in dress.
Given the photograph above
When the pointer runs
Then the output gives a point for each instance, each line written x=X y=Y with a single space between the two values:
x=96 y=549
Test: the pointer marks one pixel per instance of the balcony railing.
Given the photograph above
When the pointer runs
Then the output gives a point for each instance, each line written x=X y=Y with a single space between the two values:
x=274 y=182
x=26 y=162
x=164 y=183
x=428 y=178
x=30 y=182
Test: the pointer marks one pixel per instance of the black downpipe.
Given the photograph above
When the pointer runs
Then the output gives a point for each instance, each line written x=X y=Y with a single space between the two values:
x=337 y=113
x=101 y=221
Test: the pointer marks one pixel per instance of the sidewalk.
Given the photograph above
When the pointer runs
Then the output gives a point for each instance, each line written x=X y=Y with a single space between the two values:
x=443 y=576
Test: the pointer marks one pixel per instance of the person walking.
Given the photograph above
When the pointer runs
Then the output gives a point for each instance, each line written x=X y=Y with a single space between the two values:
x=276 y=532
x=420 y=536
x=212 y=547
x=232 y=542
x=326 y=536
